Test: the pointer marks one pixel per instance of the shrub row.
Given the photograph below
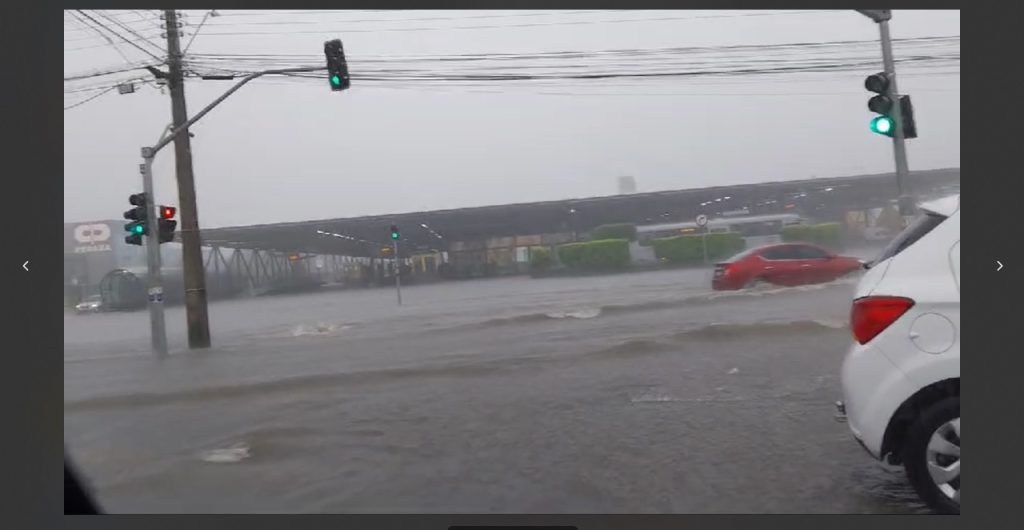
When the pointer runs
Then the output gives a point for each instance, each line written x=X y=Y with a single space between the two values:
x=600 y=255
x=540 y=259
x=829 y=235
x=614 y=231
x=682 y=250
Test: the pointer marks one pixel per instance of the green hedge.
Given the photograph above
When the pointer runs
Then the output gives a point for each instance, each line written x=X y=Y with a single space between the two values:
x=601 y=255
x=829 y=235
x=614 y=231
x=690 y=250
x=540 y=259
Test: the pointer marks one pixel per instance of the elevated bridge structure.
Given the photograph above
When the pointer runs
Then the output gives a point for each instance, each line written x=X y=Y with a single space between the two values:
x=819 y=199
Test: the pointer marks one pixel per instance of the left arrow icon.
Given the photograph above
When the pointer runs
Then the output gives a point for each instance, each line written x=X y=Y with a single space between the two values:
x=25 y=265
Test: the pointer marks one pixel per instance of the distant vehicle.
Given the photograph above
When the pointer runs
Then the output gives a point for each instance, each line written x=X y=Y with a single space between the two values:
x=753 y=225
x=91 y=304
x=901 y=378
x=786 y=264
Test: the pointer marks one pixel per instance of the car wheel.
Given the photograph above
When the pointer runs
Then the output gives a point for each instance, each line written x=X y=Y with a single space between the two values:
x=931 y=456
x=754 y=282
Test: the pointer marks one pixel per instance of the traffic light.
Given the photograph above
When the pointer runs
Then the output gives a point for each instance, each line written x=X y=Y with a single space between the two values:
x=337 y=67
x=137 y=215
x=882 y=104
x=167 y=223
x=395 y=236
x=907 y=113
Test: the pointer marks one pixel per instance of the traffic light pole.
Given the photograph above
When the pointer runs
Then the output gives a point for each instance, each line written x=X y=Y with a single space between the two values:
x=398 y=271
x=899 y=148
x=154 y=284
x=175 y=131
x=190 y=245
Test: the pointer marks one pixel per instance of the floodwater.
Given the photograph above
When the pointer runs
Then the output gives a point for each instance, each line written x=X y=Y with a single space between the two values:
x=634 y=393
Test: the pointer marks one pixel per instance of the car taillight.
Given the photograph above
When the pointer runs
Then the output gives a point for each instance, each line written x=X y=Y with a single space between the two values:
x=871 y=315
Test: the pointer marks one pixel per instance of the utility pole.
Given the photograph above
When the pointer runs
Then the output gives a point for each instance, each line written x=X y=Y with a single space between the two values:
x=192 y=256
x=899 y=149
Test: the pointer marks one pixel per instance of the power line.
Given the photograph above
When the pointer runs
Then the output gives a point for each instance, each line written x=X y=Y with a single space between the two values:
x=427 y=77
x=146 y=80
x=196 y=32
x=100 y=73
x=416 y=19
x=102 y=35
x=580 y=54
x=613 y=63
x=122 y=37
x=363 y=21
x=151 y=19
x=130 y=30
x=504 y=26
x=495 y=87
x=297 y=12
x=142 y=18
x=90 y=98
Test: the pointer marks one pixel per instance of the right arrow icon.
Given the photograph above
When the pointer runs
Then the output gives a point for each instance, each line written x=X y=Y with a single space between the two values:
x=999 y=265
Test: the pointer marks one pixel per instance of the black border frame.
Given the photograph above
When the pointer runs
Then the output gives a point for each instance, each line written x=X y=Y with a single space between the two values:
x=33 y=410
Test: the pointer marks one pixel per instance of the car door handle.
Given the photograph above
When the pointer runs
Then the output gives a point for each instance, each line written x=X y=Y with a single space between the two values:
x=769 y=268
x=805 y=265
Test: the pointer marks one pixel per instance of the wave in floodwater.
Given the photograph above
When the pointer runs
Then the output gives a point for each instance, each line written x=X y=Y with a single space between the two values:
x=300 y=383
x=644 y=346
x=578 y=314
x=319 y=329
x=478 y=368
x=585 y=313
x=719 y=332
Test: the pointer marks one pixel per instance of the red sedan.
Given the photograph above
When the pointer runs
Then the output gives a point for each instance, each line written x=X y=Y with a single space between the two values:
x=785 y=264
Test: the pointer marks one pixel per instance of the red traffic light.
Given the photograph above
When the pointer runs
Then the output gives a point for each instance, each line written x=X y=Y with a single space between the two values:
x=167 y=212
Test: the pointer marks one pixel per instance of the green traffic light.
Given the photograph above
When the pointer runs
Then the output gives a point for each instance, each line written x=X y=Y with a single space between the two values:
x=882 y=125
x=335 y=80
x=138 y=229
x=394 y=235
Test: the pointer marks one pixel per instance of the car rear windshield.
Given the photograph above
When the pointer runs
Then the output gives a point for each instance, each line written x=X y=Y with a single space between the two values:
x=915 y=231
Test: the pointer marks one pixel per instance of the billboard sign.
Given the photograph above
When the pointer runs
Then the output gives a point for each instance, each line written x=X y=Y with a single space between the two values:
x=91 y=237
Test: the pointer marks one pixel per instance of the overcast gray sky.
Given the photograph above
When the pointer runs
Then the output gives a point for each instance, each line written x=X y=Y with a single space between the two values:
x=290 y=149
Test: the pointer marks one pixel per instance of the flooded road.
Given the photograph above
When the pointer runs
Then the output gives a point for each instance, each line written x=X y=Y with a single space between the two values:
x=634 y=393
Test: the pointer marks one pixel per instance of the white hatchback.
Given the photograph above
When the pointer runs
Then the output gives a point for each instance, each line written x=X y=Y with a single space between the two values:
x=901 y=378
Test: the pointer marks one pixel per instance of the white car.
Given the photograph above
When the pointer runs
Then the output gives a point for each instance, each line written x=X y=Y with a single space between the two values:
x=901 y=378
x=91 y=304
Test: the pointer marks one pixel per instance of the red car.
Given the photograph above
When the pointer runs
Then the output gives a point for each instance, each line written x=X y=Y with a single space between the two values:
x=785 y=264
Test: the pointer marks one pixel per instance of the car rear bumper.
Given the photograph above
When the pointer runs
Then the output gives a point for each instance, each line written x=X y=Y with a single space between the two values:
x=841 y=417
x=873 y=389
